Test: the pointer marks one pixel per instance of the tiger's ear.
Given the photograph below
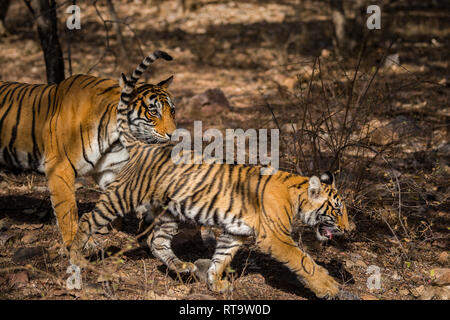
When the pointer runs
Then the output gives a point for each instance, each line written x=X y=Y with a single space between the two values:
x=122 y=80
x=166 y=83
x=314 y=187
x=327 y=178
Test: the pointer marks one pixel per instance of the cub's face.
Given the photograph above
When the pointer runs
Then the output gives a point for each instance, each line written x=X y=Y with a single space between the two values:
x=152 y=112
x=325 y=209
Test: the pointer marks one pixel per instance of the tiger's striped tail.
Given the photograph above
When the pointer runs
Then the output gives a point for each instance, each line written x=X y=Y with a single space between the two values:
x=126 y=137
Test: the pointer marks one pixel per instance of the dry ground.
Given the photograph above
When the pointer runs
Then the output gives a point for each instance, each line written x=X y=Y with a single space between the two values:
x=261 y=55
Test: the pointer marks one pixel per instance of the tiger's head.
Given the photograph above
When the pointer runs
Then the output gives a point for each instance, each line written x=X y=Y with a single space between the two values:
x=324 y=208
x=151 y=114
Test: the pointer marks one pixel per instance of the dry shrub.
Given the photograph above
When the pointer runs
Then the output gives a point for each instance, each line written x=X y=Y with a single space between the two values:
x=344 y=122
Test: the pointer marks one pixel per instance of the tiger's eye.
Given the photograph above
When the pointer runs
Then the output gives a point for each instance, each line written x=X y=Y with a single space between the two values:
x=152 y=113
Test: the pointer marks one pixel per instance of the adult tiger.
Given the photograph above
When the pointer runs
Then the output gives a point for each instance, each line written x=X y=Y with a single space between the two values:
x=235 y=198
x=69 y=130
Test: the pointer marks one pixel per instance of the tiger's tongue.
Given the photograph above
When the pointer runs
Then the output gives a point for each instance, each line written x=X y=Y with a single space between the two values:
x=329 y=234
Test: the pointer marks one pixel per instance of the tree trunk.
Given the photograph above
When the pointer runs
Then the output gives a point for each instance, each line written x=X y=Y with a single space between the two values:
x=117 y=29
x=340 y=26
x=44 y=11
x=4 y=5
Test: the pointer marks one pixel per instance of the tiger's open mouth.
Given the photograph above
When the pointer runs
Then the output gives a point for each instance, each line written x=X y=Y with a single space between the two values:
x=325 y=233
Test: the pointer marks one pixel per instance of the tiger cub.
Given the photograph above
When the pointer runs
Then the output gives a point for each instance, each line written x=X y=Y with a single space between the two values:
x=235 y=198
x=69 y=130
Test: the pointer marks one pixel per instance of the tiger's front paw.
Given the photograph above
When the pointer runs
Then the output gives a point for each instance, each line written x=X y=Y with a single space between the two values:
x=323 y=285
x=183 y=267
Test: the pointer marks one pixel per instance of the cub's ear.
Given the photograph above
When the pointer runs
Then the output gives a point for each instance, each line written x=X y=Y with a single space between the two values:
x=314 y=187
x=123 y=80
x=166 y=83
x=327 y=178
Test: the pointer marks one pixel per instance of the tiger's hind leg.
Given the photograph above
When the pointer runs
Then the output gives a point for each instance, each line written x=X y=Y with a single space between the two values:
x=160 y=244
x=227 y=246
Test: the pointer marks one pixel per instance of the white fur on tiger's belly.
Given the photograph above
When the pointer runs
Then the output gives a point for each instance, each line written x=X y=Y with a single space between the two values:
x=109 y=165
x=228 y=222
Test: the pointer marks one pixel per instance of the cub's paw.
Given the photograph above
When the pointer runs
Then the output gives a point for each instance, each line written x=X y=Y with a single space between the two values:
x=323 y=286
x=183 y=267
x=220 y=286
